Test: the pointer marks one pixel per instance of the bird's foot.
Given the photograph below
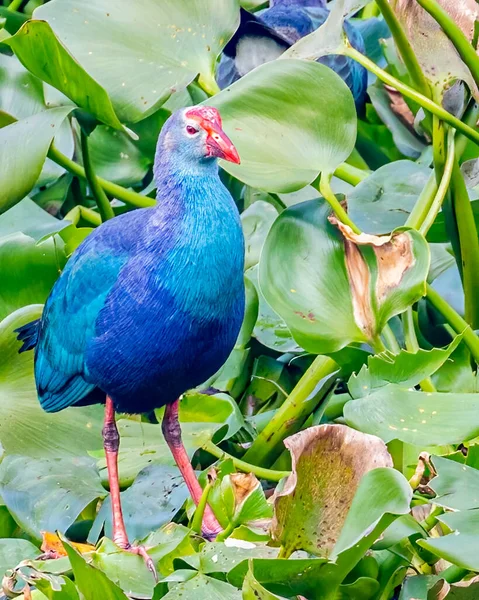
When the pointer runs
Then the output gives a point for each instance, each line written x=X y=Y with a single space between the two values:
x=140 y=551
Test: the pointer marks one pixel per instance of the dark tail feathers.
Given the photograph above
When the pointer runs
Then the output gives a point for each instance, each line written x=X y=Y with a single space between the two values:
x=28 y=334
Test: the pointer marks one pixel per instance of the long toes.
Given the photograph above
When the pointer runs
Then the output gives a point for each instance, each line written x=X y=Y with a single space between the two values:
x=150 y=565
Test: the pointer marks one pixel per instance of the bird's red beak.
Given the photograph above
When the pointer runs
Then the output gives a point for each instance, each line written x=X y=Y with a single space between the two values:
x=218 y=144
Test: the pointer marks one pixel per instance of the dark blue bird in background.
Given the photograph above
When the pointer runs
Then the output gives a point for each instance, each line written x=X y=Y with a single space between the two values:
x=151 y=303
x=264 y=36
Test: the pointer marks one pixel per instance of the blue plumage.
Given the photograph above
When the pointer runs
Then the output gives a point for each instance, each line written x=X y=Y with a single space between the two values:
x=151 y=303
x=265 y=36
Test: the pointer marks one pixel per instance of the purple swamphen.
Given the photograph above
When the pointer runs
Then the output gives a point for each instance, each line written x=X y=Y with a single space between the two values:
x=151 y=303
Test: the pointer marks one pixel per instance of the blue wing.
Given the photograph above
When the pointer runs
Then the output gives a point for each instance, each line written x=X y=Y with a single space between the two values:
x=69 y=317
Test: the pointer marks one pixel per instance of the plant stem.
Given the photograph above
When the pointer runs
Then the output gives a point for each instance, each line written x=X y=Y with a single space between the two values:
x=370 y=10
x=423 y=203
x=328 y=194
x=390 y=339
x=469 y=245
x=412 y=345
x=377 y=345
x=260 y=472
x=14 y=5
x=82 y=212
x=443 y=187
x=197 y=521
x=455 y=321
x=407 y=91
x=101 y=199
x=455 y=34
x=351 y=174
x=225 y=533
x=405 y=48
x=289 y=418
x=117 y=191
x=453 y=574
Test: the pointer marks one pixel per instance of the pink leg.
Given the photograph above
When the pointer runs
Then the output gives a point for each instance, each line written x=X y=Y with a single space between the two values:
x=111 y=443
x=172 y=432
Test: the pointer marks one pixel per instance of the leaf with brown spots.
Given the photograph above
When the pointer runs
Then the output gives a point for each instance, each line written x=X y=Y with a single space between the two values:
x=328 y=463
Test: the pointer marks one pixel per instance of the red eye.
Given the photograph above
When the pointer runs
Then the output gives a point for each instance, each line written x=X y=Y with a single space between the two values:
x=191 y=130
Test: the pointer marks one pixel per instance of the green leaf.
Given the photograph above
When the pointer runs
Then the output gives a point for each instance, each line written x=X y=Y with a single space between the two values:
x=21 y=93
x=167 y=544
x=270 y=329
x=221 y=558
x=57 y=588
x=202 y=587
x=431 y=419
x=460 y=547
x=23 y=149
x=330 y=285
x=328 y=464
x=256 y=221
x=28 y=218
x=405 y=368
x=24 y=427
x=12 y=552
x=40 y=51
x=91 y=582
x=152 y=500
x=456 y=485
x=252 y=589
x=48 y=494
x=383 y=201
x=141 y=54
x=285 y=139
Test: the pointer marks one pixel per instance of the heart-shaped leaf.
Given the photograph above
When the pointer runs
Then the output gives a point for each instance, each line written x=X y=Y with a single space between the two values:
x=141 y=54
x=256 y=221
x=285 y=139
x=333 y=287
x=23 y=149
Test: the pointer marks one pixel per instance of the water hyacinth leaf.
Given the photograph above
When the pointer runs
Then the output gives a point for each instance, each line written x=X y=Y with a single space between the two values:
x=23 y=149
x=383 y=201
x=91 y=582
x=270 y=329
x=406 y=368
x=57 y=587
x=330 y=37
x=436 y=54
x=348 y=287
x=310 y=511
x=153 y=500
x=283 y=142
x=48 y=494
x=256 y=221
x=431 y=419
x=202 y=587
x=24 y=427
x=28 y=218
x=253 y=590
x=459 y=547
x=13 y=551
x=456 y=485
x=142 y=54
x=167 y=544
x=21 y=93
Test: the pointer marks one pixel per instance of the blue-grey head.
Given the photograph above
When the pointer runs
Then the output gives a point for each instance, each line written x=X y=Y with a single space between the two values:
x=194 y=136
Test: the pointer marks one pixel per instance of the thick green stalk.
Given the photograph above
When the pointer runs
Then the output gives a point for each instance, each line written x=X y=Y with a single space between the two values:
x=351 y=174
x=101 y=199
x=293 y=412
x=443 y=187
x=412 y=345
x=117 y=191
x=407 y=91
x=469 y=245
x=469 y=118
x=405 y=48
x=423 y=203
x=455 y=321
x=14 y=5
x=390 y=339
x=197 y=521
x=260 y=472
x=328 y=194
x=455 y=34
x=82 y=212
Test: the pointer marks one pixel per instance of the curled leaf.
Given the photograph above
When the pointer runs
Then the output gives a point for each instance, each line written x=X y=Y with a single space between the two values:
x=328 y=463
